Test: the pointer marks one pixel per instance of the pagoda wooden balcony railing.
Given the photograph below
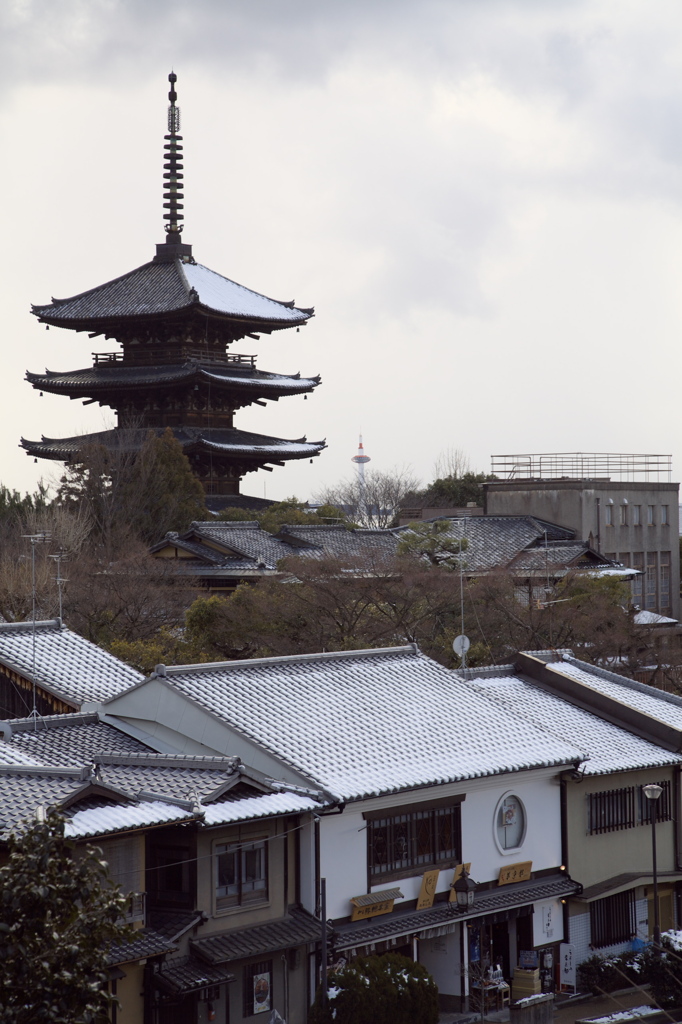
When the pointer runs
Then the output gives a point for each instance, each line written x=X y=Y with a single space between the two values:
x=239 y=359
x=106 y=358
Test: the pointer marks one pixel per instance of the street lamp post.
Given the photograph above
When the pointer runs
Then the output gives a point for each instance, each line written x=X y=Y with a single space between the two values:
x=652 y=792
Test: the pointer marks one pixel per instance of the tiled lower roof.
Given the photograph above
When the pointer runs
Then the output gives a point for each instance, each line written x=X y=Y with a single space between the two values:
x=188 y=974
x=145 y=943
x=297 y=928
x=506 y=897
x=173 y=923
x=70 y=739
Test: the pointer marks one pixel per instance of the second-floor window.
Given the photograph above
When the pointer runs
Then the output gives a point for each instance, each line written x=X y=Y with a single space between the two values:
x=614 y=809
x=406 y=844
x=241 y=873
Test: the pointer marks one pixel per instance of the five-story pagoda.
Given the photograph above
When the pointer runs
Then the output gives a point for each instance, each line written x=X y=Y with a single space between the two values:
x=174 y=320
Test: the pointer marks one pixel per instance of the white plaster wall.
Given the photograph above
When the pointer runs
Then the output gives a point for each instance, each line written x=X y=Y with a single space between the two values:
x=343 y=837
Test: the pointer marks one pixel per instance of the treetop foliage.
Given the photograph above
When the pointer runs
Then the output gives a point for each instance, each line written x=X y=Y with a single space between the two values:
x=59 y=915
x=434 y=543
x=290 y=512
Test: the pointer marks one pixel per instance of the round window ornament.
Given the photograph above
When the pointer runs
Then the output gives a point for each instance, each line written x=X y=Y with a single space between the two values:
x=510 y=824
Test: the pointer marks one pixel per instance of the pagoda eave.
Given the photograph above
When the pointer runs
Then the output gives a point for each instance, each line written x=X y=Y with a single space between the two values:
x=230 y=444
x=107 y=383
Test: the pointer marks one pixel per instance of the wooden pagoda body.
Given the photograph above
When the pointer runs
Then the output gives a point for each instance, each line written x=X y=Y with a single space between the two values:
x=174 y=321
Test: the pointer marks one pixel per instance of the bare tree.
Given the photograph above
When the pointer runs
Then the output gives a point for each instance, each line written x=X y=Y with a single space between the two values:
x=452 y=462
x=377 y=503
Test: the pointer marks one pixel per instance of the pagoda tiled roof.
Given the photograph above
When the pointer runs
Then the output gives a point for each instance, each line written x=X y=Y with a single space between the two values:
x=159 y=289
x=117 y=377
x=222 y=440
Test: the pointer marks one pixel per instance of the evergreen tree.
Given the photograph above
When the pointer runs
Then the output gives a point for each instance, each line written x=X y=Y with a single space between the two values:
x=389 y=989
x=59 y=915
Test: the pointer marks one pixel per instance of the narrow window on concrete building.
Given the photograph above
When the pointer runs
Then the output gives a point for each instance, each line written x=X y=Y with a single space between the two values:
x=624 y=559
x=665 y=583
x=637 y=589
x=650 y=515
x=636 y=515
x=608 y=515
x=650 y=580
x=665 y=515
x=623 y=515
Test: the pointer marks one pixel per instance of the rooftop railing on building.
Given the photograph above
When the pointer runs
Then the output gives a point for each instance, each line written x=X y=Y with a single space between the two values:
x=582 y=466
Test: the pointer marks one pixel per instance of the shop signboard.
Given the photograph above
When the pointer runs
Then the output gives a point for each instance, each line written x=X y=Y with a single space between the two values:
x=548 y=922
x=457 y=875
x=515 y=872
x=427 y=892
x=567 y=979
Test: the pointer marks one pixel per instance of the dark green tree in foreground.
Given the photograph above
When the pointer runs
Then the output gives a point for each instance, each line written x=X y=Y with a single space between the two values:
x=390 y=989
x=59 y=915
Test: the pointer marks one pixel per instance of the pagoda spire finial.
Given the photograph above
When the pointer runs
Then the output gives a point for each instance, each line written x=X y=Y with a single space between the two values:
x=173 y=178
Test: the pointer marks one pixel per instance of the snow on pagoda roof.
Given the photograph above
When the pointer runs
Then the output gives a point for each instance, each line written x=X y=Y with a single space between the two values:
x=170 y=287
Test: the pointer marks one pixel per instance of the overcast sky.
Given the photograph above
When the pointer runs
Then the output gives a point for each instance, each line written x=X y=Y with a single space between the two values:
x=481 y=198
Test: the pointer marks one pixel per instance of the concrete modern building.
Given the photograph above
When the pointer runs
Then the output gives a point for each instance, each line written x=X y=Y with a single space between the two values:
x=625 y=506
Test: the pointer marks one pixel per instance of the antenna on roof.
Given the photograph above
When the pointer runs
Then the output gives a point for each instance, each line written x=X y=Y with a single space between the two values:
x=173 y=178
x=35 y=538
x=60 y=581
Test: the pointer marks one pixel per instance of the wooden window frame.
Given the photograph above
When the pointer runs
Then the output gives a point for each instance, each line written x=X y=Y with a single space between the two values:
x=410 y=825
x=613 y=919
x=244 y=896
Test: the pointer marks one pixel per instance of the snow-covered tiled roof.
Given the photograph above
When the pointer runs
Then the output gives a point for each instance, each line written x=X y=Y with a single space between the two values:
x=266 y=806
x=95 y=821
x=355 y=723
x=607 y=748
x=171 y=287
x=226 y=296
x=66 y=664
x=649 y=618
x=666 y=707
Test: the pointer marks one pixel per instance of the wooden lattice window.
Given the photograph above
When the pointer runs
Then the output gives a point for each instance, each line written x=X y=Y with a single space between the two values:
x=613 y=919
x=410 y=842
